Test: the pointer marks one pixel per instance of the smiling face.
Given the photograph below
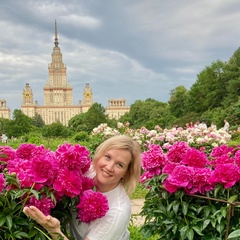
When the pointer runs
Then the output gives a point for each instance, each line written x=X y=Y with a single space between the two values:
x=111 y=168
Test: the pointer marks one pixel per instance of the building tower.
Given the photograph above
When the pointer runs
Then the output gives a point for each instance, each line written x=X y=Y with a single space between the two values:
x=57 y=91
x=58 y=98
x=4 y=110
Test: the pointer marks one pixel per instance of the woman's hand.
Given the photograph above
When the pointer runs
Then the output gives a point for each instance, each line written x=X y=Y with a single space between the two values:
x=51 y=224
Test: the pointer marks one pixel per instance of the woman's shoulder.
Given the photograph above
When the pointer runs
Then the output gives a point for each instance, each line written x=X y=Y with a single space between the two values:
x=118 y=198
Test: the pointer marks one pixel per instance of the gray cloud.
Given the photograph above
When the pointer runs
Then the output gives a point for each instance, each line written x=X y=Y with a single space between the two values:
x=124 y=49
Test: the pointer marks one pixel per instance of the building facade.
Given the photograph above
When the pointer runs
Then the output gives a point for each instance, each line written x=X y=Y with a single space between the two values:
x=58 y=97
x=4 y=110
x=116 y=108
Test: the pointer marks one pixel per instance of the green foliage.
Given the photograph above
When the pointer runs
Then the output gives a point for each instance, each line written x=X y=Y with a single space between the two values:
x=209 y=90
x=81 y=137
x=37 y=121
x=135 y=234
x=181 y=216
x=20 y=125
x=148 y=113
x=56 y=130
x=178 y=101
x=140 y=192
x=14 y=224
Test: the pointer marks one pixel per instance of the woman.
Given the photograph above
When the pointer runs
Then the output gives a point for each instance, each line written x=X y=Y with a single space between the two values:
x=116 y=168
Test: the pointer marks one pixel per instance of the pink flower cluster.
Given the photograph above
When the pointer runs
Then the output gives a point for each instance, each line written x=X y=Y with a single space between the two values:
x=190 y=169
x=60 y=172
x=92 y=205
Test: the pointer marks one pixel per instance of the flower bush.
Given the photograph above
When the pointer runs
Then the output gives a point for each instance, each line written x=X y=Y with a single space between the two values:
x=52 y=181
x=192 y=194
x=206 y=138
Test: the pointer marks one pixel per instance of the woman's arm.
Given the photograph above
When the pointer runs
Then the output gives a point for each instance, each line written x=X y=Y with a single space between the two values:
x=51 y=224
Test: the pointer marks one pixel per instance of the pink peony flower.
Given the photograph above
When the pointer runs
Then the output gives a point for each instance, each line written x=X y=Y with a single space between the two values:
x=221 y=150
x=181 y=176
x=68 y=183
x=153 y=158
x=171 y=188
x=169 y=167
x=226 y=174
x=199 y=182
x=44 y=168
x=237 y=158
x=195 y=158
x=223 y=159
x=149 y=174
x=44 y=204
x=87 y=183
x=6 y=153
x=74 y=157
x=27 y=151
x=2 y=182
x=92 y=205
x=177 y=151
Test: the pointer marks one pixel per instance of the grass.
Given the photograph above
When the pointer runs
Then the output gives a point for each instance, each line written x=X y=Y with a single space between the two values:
x=140 y=192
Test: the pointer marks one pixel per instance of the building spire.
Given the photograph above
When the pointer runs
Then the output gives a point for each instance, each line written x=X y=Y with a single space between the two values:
x=56 y=35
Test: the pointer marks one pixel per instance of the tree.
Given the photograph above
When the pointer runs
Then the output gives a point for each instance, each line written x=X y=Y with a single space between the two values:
x=209 y=90
x=178 y=101
x=95 y=116
x=232 y=72
x=77 y=123
x=38 y=121
x=56 y=130
x=20 y=125
x=148 y=113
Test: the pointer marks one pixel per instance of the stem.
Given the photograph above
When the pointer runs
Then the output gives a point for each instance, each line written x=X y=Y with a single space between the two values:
x=25 y=200
x=43 y=233
x=215 y=199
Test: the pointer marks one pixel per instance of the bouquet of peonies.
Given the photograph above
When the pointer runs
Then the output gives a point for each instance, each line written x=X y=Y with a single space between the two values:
x=192 y=194
x=54 y=182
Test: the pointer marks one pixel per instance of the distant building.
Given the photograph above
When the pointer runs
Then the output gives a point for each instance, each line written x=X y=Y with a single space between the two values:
x=58 y=98
x=4 y=110
x=116 y=108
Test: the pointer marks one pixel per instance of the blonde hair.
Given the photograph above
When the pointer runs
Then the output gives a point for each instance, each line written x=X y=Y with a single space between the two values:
x=131 y=179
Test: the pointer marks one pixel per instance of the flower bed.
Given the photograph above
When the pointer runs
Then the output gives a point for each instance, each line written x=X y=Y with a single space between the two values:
x=192 y=194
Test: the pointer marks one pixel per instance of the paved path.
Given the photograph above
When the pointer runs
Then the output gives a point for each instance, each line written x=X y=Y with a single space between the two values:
x=136 y=209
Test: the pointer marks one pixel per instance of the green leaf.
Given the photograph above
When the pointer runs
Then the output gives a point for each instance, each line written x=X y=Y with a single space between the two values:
x=183 y=232
x=205 y=223
x=234 y=234
x=2 y=220
x=20 y=193
x=184 y=208
x=190 y=234
x=19 y=234
x=216 y=190
x=9 y=221
x=175 y=207
x=198 y=231
x=233 y=198
x=224 y=211
x=35 y=193
x=32 y=232
x=165 y=194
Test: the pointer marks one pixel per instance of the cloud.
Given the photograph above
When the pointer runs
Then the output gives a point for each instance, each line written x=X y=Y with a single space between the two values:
x=124 y=49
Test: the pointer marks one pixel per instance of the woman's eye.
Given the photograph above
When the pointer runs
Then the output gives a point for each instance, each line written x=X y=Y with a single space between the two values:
x=107 y=157
x=120 y=165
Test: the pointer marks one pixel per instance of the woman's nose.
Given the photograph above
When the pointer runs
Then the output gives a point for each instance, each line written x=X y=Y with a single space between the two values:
x=110 y=166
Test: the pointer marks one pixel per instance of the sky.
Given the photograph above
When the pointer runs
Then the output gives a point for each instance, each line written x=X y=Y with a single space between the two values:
x=130 y=49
